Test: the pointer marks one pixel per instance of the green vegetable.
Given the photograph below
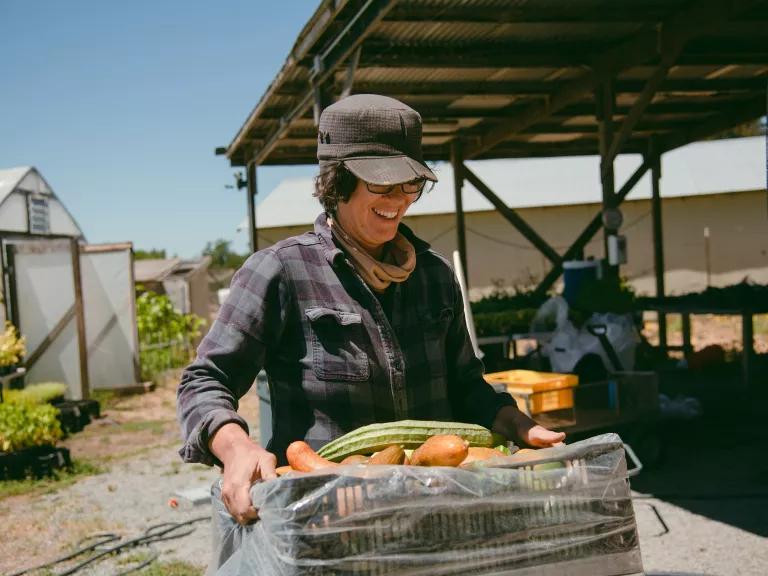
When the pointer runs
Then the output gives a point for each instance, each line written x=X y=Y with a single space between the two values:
x=407 y=433
x=25 y=426
x=35 y=394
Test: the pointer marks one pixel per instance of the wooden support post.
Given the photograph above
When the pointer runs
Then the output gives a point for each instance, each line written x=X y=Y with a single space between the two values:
x=748 y=346
x=251 y=192
x=687 y=346
x=458 y=183
x=605 y=101
x=82 y=342
x=658 y=240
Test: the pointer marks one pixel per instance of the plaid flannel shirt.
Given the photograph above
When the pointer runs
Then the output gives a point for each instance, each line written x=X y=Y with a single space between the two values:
x=334 y=360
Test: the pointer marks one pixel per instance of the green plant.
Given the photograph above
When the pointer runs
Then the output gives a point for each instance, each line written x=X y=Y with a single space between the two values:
x=25 y=426
x=12 y=346
x=504 y=322
x=165 y=335
x=35 y=394
x=504 y=300
x=58 y=479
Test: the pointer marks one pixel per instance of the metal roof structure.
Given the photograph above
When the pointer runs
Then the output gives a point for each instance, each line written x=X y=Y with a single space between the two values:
x=712 y=167
x=524 y=78
x=517 y=78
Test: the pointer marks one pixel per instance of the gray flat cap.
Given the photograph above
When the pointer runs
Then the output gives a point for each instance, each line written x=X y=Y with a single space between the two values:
x=376 y=137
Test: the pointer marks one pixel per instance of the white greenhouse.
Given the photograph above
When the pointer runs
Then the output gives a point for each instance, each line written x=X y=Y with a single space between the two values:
x=73 y=302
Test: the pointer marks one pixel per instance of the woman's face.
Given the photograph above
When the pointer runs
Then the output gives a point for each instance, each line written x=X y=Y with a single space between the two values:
x=372 y=219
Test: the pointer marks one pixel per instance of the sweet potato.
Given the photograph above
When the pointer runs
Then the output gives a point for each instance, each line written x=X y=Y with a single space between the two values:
x=355 y=459
x=301 y=457
x=476 y=453
x=393 y=454
x=441 y=450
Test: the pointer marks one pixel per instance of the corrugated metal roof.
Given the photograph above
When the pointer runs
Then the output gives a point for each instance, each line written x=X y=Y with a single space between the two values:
x=718 y=166
x=154 y=269
x=530 y=52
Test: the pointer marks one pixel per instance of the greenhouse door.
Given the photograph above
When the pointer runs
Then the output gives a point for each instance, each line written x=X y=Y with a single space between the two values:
x=75 y=305
x=45 y=303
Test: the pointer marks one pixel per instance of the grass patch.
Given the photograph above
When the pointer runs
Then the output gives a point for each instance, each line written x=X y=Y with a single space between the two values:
x=760 y=324
x=107 y=399
x=134 y=558
x=172 y=568
x=59 y=479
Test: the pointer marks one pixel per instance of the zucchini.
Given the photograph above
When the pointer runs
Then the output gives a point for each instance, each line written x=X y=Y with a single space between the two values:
x=406 y=433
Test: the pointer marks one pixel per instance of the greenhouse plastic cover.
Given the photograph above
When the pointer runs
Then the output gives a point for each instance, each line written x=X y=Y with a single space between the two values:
x=569 y=512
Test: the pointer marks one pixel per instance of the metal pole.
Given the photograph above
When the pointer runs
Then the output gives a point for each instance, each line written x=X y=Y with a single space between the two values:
x=458 y=184
x=252 y=232
x=658 y=240
x=605 y=101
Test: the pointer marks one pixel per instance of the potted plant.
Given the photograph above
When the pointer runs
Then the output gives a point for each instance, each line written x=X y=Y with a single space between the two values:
x=13 y=348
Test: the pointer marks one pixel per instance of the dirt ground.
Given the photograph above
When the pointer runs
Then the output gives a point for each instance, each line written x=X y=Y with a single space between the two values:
x=134 y=445
x=709 y=329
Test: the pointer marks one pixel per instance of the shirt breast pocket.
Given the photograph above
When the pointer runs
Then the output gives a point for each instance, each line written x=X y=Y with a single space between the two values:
x=337 y=345
x=435 y=325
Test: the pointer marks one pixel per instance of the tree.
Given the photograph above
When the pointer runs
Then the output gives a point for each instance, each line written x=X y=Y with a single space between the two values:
x=222 y=255
x=151 y=254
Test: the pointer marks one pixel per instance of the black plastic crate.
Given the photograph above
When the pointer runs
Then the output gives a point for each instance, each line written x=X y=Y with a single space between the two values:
x=37 y=462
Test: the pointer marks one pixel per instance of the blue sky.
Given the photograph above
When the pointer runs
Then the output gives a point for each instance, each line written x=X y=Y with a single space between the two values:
x=121 y=104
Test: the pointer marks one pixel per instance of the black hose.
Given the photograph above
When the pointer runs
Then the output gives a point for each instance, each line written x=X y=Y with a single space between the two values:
x=155 y=533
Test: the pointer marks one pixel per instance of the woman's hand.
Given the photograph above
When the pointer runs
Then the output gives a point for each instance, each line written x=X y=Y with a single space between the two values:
x=517 y=426
x=245 y=462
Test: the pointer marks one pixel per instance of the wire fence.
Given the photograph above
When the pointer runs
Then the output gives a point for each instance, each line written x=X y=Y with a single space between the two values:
x=159 y=355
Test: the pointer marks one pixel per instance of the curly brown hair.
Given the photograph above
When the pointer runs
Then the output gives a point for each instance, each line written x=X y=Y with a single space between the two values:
x=334 y=184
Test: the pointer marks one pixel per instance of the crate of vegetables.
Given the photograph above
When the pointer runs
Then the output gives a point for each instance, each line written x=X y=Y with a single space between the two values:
x=449 y=505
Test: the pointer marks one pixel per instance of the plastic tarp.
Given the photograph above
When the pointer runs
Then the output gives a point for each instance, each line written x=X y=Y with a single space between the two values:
x=110 y=325
x=569 y=511
x=45 y=295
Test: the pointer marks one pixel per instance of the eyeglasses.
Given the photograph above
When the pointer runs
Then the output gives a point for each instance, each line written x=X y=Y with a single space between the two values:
x=412 y=187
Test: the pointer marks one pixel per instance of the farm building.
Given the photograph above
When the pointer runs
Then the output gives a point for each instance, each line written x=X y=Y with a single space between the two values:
x=184 y=281
x=73 y=302
x=28 y=206
x=713 y=194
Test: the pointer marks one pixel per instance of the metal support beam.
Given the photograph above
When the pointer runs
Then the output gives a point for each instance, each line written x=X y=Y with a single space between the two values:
x=251 y=197
x=654 y=159
x=457 y=162
x=349 y=80
x=513 y=217
x=696 y=19
x=733 y=116
x=340 y=48
x=669 y=54
x=588 y=233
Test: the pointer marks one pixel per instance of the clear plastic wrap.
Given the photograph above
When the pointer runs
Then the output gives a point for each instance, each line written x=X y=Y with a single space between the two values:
x=569 y=511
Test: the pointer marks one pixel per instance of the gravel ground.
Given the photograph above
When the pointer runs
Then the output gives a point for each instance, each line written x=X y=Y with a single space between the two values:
x=135 y=494
x=712 y=494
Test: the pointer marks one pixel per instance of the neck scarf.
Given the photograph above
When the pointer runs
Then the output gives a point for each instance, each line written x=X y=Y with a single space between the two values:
x=399 y=260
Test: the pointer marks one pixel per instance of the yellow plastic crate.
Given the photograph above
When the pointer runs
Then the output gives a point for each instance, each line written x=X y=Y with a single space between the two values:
x=537 y=392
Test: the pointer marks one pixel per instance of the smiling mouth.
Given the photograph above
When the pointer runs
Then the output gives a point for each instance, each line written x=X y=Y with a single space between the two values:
x=389 y=215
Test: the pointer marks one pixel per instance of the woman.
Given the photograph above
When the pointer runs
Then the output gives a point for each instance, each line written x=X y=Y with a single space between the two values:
x=356 y=322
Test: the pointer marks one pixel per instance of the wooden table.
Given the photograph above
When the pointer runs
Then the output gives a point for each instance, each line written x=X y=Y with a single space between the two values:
x=686 y=311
